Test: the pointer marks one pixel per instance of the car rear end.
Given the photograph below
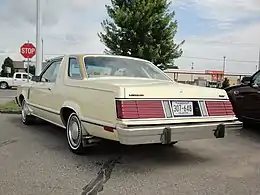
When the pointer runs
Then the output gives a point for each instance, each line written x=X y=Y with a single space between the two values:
x=150 y=121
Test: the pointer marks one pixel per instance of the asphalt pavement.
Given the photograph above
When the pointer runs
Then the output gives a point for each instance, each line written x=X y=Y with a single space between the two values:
x=35 y=160
x=7 y=95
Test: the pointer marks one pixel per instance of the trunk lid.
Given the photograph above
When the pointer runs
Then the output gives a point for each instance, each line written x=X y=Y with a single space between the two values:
x=159 y=89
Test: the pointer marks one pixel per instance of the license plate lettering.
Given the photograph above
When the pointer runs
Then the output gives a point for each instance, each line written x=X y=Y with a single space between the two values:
x=182 y=108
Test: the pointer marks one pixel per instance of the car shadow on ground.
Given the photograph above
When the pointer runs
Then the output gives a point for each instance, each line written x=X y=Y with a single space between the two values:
x=155 y=154
x=251 y=132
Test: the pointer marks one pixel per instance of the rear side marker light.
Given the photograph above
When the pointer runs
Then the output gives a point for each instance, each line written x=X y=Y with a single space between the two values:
x=109 y=129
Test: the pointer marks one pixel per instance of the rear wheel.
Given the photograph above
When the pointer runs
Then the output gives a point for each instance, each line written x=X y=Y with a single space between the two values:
x=4 y=85
x=74 y=134
x=171 y=144
x=167 y=145
x=27 y=119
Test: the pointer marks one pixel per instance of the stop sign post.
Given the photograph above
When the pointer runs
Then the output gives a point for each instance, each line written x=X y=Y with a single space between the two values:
x=28 y=50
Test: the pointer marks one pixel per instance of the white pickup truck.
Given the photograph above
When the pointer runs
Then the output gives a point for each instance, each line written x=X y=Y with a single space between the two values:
x=18 y=79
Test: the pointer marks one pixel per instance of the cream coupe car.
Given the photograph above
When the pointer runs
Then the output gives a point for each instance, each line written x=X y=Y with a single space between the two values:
x=124 y=99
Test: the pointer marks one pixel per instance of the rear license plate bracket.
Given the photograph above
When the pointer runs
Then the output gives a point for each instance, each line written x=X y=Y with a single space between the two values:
x=182 y=108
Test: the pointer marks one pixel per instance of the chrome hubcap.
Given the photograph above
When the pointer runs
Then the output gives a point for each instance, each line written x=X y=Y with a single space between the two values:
x=24 y=110
x=3 y=85
x=74 y=132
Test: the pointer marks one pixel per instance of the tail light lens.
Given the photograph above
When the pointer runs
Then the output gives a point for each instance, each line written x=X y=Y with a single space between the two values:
x=139 y=109
x=219 y=108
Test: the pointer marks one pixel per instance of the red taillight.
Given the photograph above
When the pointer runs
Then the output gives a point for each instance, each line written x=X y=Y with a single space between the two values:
x=135 y=109
x=219 y=108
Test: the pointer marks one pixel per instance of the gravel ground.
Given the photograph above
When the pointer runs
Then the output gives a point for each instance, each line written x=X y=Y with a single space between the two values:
x=36 y=161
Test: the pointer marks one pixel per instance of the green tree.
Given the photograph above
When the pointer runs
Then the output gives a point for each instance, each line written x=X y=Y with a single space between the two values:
x=143 y=29
x=8 y=62
x=31 y=69
x=225 y=83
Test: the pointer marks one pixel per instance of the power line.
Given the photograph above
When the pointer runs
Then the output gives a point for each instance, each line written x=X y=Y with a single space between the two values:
x=225 y=43
x=193 y=57
x=187 y=57
x=216 y=59
x=259 y=59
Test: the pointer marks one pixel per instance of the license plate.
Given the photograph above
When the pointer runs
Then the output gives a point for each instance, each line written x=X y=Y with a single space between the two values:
x=182 y=108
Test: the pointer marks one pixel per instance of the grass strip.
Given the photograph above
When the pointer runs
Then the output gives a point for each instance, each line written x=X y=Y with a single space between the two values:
x=10 y=107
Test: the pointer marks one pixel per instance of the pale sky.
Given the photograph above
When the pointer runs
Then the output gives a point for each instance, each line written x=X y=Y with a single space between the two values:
x=212 y=29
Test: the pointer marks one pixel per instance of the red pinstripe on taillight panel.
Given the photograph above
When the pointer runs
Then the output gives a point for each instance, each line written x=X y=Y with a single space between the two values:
x=219 y=108
x=134 y=109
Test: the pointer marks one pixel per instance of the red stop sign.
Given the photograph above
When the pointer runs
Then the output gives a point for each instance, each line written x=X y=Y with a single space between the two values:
x=28 y=50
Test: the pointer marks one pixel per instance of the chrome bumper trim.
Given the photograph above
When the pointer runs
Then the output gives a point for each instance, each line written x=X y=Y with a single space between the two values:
x=166 y=134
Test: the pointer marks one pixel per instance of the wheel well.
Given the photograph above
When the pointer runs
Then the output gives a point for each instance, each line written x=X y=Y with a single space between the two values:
x=4 y=82
x=65 y=113
x=21 y=98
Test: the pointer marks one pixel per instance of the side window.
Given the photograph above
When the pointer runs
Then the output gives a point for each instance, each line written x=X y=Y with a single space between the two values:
x=74 y=69
x=18 y=76
x=51 y=73
x=25 y=76
x=256 y=78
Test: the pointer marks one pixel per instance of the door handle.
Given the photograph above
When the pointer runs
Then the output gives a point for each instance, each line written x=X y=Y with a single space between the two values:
x=49 y=89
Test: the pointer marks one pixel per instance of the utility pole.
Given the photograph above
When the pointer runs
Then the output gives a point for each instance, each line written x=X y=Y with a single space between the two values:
x=259 y=59
x=192 y=67
x=28 y=67
x=224 y=65
x=223 y=70
x=38 y=38
x=42 y=51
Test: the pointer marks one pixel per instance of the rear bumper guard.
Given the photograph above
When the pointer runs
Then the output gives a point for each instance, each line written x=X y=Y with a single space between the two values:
x=169 y=134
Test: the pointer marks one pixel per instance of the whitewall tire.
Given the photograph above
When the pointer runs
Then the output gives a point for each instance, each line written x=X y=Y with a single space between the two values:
x=74 y=134
x=27 y=119
x=4 y=85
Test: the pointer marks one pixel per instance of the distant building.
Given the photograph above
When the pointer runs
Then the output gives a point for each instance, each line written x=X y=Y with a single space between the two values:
x=194 y=77
x=19 y=66
x=33 y=63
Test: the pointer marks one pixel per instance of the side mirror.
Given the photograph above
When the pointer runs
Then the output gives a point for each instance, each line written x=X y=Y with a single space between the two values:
x=246 y=80
x=36 y=78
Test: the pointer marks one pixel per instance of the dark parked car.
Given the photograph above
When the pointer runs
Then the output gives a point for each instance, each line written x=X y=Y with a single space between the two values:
x=245 y=98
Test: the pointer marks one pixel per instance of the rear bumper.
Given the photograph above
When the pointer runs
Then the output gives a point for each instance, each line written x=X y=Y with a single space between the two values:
x=179 y=132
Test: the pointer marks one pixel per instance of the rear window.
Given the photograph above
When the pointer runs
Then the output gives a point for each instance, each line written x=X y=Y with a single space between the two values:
x=18 y=76
x=122 y=67
x=25 y=76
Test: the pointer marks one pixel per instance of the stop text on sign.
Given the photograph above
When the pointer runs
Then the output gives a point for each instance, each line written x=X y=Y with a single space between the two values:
x=28 y=50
